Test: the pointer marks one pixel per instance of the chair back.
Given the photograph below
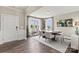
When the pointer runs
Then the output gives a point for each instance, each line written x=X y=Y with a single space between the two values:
x=41 y=33
x=48 y=35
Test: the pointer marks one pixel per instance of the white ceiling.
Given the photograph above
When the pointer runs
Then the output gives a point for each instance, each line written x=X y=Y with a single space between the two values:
x=50 y=11
x=19 y=7
x=26 y=9
x=47 y=11
x=32 y=9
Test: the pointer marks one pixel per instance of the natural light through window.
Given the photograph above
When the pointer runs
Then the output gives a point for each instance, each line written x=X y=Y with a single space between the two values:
x=49 y=24
x=34 y=25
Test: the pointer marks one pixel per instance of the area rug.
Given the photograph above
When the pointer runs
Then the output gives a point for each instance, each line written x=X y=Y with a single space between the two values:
x=62 y=47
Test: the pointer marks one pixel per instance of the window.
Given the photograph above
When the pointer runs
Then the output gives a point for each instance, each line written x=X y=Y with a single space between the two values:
x=49 y=24
x=34 y=25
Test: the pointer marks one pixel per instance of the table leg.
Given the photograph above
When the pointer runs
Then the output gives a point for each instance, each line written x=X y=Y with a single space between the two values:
x=54 y=37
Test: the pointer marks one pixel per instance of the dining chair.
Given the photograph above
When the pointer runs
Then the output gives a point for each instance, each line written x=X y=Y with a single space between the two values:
x=48 y=35
x=41 y=34
x=59 y=37
x=64 y=37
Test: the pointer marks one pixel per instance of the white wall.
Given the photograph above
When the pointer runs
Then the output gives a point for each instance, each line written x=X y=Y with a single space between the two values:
x=70 y=31
x=74 y=16
x=16 y=12
x=12 y=11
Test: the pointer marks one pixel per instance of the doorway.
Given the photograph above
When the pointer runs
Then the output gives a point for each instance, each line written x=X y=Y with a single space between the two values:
x=9 y=27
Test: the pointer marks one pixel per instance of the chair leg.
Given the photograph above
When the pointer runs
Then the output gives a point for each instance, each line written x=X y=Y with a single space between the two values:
x=62 y=40
x=45 y=39
x=39 y=37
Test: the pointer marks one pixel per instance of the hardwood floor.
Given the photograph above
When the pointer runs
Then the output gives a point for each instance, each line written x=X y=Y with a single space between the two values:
x=26 y=46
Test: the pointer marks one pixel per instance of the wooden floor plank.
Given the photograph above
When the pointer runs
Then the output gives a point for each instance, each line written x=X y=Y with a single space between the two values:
x=26 y=46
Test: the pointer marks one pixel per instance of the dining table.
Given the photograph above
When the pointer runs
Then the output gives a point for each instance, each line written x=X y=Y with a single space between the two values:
x=55 y=33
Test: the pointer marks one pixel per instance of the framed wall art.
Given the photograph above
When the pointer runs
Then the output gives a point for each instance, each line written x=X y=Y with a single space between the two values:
x=65 y=23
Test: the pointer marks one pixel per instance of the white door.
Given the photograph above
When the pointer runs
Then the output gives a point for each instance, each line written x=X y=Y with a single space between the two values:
x=9 y=24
